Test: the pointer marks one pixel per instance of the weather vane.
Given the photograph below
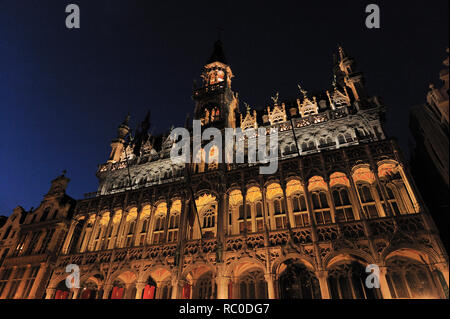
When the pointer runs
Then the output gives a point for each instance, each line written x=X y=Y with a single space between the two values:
x=275 y=98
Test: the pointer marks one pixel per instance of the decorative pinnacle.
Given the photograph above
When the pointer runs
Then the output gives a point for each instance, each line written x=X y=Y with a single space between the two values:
x=127 y=119
x=275 y=98
x=342 y=54
x=64 y=172
x=247 y=107
x=304 y=92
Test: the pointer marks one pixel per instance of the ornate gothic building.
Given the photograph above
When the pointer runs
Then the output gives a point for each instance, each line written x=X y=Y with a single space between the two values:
x=341 y=199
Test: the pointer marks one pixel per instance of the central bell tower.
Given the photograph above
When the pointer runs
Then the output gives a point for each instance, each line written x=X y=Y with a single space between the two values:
x=215 y=102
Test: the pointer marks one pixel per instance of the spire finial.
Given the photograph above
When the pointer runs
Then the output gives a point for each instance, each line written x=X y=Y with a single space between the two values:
x=342 y=53
x=127 y=119
x=275 y=98
x=304 y=92
x=247 y=107
x=64 y=172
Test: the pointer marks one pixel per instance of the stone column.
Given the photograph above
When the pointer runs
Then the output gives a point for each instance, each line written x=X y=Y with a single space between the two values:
x=166 y=223
x=356 y=203
x=289 y=216
x=244 y=203
x=221 y=217
x=322 y=276
x=50 y=293
x=119 y=229
x=175 y=288
x=384 y=287
x=105 y=243
x=148 y=235
x=76 y=292
x=140 y=289
x=136 y=227
x=264 y=211
x=106 y=291
x=222 y=287
x=235 y=288
x=330 y=199
x=270 y=279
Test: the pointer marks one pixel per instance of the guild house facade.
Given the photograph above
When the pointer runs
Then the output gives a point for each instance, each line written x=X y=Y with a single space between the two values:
x=341 y=199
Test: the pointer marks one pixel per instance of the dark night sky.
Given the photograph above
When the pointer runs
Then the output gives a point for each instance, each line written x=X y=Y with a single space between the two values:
x=64 y=92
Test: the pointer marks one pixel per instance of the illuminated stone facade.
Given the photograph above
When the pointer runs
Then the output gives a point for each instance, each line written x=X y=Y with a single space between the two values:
x=341 y=199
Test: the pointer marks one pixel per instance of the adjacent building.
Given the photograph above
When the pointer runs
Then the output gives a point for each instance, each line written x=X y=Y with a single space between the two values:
x=430 y=160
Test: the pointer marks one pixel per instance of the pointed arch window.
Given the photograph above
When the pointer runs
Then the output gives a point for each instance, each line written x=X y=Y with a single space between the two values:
x=344 y=209
x=259 y=216
x=131 y=230
x=391 y=198
x=174 y=221
x=209 y=222
x=300 y=211
x=321 y=207
x=279 y=213
x=367 y=200
x=158 y=231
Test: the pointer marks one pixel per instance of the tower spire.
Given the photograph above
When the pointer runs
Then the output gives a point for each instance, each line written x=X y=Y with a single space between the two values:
x=218 y=54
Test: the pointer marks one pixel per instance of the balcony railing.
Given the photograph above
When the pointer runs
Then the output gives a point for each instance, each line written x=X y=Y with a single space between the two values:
x=352 y=231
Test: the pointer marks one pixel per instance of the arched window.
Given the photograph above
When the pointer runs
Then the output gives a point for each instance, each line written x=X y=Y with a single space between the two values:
x=367 y=200
x=174 y=221
x=321 y=207
x=279 y=213
x=300 y=211
x=344 y=209
x=347 y=281
x=297 y=282
x=209 y=222
x=243 y=218
x=392 y=200
x=158 y=230
x=252 y=285
x=259 y=216
x=409 y=279
x=341 y=139
x=204 y=287
x=131 y=230
x=144 y=229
